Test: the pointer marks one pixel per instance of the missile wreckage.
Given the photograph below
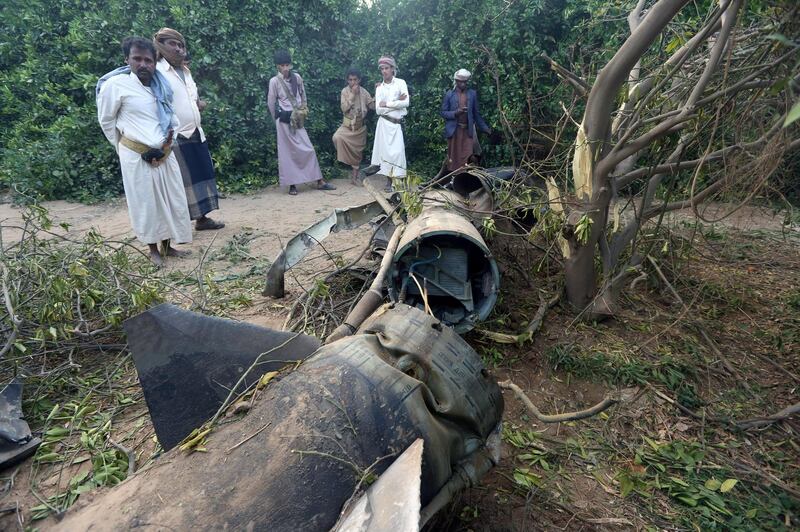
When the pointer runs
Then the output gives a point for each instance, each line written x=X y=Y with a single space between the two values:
x=394 y=394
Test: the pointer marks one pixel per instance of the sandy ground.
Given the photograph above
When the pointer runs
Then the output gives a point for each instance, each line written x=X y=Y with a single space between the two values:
x=271 y=211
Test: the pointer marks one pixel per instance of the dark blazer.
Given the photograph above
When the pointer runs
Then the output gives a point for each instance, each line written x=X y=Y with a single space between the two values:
x=450 y=106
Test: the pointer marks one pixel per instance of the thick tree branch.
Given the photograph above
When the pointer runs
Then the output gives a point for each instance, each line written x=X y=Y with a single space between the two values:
x=607 y=402
x=673 y=168
x=611 y=77
x=641 y=93
x=577 y=83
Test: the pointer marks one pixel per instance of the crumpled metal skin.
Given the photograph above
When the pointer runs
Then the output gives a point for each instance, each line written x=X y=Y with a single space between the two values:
x=355 y=403
x=303 y=242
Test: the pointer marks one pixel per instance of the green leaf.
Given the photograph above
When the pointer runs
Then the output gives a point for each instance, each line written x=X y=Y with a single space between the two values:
x=780 y=38
x=678 y=481
x=686 y=499
x=792 y=115
x=728 y=485
x=713 y=484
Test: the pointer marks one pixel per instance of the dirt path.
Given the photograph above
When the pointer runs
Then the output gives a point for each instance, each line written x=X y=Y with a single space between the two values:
x=263 y=220
x=271 y=211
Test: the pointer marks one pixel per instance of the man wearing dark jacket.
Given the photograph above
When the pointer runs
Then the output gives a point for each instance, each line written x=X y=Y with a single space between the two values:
x=461 y=118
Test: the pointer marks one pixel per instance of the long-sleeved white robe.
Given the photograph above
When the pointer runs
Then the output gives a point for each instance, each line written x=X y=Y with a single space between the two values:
x=389 y=149
x=156 y=197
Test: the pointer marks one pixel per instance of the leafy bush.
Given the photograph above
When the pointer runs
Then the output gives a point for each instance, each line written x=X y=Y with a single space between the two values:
x=53 y=52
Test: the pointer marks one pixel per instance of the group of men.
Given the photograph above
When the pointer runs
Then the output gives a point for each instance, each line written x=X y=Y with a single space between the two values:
x=149 y=111
x=459 y=110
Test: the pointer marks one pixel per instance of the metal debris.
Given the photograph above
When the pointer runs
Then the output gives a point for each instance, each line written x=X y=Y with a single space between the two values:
x=300 y=244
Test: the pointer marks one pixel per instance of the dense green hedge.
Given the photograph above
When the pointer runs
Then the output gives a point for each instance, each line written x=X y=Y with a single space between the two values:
x=53 y=51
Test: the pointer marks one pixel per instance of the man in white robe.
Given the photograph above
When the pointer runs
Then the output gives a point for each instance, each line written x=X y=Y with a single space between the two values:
x=128 y=111
x=391 y=105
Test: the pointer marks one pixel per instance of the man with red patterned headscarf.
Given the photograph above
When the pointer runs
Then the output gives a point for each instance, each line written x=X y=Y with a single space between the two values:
x=191 y=148
x=391 y=105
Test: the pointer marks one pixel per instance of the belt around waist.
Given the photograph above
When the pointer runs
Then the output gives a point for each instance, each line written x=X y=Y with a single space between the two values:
x=392 y=120
x=352 y=124
x=141 y=149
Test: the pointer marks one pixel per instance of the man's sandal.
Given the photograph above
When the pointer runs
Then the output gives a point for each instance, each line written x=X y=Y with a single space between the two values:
x=326 y=186
x=292 y=190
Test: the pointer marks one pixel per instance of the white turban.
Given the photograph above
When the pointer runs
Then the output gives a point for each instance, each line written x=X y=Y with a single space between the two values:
x=462 y=75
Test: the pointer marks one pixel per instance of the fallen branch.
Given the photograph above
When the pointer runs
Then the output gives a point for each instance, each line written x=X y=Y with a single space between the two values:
x=530 y=330
x=712 y=345
x=746 y=424
x=129 y=453
x=577 y=83
x=566 y=416
x=15 y=320
x=758 y=422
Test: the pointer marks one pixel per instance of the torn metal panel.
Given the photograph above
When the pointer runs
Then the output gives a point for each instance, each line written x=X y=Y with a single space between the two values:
x=300 y=244
x=392 y=502
x=16 y=441
x=188 y=363
x=286 y=465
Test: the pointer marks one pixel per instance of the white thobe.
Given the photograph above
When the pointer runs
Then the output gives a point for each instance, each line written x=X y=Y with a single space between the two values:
x=389 y=149
x=184 y=101
x=156 y=198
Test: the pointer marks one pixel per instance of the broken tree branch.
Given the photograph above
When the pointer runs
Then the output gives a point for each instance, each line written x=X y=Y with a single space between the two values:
x=566 y=416
x=758 y=422
x=531 y=329
x=577 y=83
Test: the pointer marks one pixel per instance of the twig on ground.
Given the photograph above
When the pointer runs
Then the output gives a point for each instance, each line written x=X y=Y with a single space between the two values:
x=253 y=435
x=722 y=358
x=531 y=329
x=759 y=422
x=129 y=453
x=566 y=416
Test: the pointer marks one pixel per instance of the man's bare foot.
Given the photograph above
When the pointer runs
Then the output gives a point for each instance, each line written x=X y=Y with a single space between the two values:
x=172 y=252
x=155 y=258
x=355 y=181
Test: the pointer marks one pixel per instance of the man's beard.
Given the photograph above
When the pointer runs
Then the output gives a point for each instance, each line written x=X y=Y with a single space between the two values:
x=174 y=59
x=144 y=75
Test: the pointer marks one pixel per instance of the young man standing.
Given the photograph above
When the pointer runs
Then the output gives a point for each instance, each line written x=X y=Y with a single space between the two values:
x=135 y=112
x=191 y=149
x=286 y=101
x=351 y=137
x=391 y=95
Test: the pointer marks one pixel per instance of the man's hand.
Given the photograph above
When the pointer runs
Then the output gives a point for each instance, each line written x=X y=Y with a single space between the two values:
x=382 y=103
x=201 y=105
x=403 y=97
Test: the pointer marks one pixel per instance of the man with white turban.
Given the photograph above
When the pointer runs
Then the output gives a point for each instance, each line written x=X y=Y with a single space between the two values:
x=391 y=105
x=461 y=116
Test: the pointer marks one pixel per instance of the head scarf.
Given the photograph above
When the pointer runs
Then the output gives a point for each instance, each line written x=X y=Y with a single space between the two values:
x=388 y=60
x=162 y=35
x=461 y=74
x=282 y=57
